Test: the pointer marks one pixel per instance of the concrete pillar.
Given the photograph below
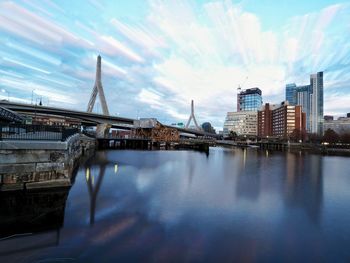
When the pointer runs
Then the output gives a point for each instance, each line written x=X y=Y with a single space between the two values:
x=102 y=130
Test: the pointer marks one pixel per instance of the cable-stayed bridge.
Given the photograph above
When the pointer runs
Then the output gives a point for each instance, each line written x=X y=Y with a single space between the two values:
x=89 y=118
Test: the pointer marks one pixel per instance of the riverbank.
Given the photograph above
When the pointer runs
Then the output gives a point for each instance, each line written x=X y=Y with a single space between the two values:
x=281 y=146
x=40 y=164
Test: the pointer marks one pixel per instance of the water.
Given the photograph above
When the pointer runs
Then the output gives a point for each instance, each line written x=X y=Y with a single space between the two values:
x=175 y=206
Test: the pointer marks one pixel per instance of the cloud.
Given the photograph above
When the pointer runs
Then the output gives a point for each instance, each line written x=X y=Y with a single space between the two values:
x=20 y=21
x=180 y=50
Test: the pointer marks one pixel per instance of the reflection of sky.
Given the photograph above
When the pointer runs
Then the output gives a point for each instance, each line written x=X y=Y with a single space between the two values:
x=232 y=204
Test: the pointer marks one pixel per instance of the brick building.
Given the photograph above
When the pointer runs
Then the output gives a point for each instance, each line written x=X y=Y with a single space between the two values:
x=280 y=120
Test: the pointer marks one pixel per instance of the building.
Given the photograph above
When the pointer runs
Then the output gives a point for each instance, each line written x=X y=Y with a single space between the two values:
x=207 y=127
x=280 y=120
x=51 y=120
x=242 y=122
x=310 y=97
x=249 y=100
x=291 y=93
x=340 y=126
x=316 y=99
x=328 y=117
x=265 y=120
x=303 y=95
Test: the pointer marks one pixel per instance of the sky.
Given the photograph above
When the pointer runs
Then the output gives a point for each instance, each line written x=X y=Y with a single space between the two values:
x=159 y=55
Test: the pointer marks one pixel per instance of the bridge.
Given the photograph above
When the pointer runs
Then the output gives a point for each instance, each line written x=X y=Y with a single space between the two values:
x=102 y=121
x=87 y=118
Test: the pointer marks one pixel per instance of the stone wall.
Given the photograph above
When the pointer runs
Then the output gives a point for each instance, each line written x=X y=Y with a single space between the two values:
x=29 y=165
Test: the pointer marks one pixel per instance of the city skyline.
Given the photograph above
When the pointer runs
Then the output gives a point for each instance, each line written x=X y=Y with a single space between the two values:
x=159 y=55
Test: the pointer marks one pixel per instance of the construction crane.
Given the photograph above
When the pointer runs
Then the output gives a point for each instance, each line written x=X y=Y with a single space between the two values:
x=240 y=86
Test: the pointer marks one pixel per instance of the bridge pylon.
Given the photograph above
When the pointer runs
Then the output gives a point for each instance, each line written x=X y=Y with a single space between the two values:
x=192 y=117
x=98 y=88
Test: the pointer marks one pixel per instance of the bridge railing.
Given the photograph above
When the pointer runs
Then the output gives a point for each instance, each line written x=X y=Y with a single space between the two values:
x=35 y=132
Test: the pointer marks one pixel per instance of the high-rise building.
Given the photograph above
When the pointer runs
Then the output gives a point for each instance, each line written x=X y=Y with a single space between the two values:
x=316 y=115
x=291 y=94
x=310 y=97
x=249 y=100
x=242 y=123
x=280 y=120
x=303 y=95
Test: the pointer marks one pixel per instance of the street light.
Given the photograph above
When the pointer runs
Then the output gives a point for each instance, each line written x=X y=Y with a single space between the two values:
x=32 y=95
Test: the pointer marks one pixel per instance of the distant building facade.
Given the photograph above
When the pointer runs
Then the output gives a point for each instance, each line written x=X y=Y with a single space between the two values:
x=207 y=127
x=241 y=122
x=249 y=100
x=310 y=97
x=280 y=120
x=340 y=126
x=328 y=118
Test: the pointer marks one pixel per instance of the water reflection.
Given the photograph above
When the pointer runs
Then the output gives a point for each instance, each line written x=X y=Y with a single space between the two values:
x=27 y=216
x=94 y=188
x=235 y=205
x=304 y=183
x=248 y=181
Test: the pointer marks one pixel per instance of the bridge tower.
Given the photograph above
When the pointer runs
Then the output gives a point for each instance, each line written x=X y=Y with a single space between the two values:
x=98 y=88
x=102 y=129
x=192 y=117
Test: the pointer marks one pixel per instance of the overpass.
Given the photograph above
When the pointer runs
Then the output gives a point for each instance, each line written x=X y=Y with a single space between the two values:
x=86 y=118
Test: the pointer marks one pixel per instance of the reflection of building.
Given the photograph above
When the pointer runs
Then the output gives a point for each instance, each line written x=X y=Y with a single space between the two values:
x=340 y=126
x=304 y=184
x=310 y=97
x=248 y=180
x=242 y=122
x=249 y=100
x=280 y=120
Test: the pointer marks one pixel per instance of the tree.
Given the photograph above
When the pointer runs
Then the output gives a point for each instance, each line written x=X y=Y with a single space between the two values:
x=297 y=135
x=207 y=127
x=330 y=136
x=314 y=138
x=233 y=135
x=345 y=137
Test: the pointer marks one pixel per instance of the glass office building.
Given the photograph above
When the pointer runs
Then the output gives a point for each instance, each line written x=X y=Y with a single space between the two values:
x=291 y=94
x=310 y=97
x=303 y=99
x=249 y=100
x=316 y=105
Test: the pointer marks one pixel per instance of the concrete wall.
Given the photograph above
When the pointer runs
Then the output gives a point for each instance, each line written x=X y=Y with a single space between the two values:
x=32 y=164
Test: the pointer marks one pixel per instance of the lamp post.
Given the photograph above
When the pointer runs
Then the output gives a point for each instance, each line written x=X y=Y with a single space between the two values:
x=32 y=95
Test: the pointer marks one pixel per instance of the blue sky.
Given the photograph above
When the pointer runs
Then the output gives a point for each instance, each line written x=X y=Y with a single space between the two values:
x=158 y=55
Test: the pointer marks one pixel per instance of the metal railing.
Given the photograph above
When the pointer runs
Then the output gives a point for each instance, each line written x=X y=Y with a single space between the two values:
x=35 y=132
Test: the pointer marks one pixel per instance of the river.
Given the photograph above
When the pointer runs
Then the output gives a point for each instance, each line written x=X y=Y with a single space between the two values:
x=185 y=206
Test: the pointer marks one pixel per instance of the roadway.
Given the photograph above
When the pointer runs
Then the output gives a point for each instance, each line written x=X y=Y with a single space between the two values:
x=88 y=119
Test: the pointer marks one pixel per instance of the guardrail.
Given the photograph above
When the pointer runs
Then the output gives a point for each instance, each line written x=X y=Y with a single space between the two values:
x=35 y=132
